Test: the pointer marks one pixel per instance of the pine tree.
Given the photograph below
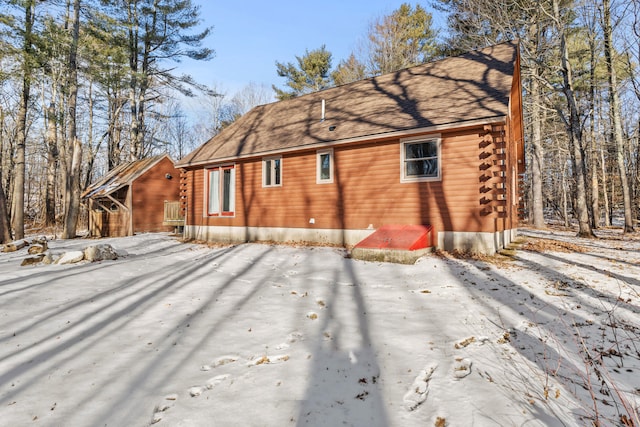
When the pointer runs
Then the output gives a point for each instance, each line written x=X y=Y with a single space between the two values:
x=311 y=73
x=349 y=71
x=400 y=40
x=156 y=32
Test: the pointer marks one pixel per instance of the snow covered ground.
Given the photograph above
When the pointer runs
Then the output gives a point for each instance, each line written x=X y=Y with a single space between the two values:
x=175 y=334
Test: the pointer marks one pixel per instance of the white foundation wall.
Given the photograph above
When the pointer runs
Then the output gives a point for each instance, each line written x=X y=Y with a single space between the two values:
x=276 y=234
x=485 y=243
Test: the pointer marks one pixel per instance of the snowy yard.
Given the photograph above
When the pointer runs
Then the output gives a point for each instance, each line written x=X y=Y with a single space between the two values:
x=175 y=334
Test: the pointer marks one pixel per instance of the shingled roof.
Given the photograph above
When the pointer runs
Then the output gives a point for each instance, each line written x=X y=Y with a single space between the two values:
x=472 y=86
x=124 y=174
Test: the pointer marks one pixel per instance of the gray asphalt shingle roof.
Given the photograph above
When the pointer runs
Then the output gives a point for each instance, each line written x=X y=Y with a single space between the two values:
x=472 y=86
x=123 y=174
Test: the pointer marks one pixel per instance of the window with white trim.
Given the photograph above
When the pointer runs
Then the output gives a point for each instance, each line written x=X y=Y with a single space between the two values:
x=420 y=159
x=221 y=190
x=272 y=172
x=324 y=166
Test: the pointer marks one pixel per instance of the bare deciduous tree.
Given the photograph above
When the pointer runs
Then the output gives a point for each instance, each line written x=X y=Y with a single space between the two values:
x=574 y=129
x=17 y=205
x=74 y=153
x=5 y=226
x=614 y=113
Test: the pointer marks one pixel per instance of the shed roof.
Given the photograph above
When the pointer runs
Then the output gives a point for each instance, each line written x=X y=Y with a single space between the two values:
x=124 y=174
x=472 y=86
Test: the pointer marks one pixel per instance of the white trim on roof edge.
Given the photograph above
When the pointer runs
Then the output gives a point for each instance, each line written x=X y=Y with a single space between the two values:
x=400 y=133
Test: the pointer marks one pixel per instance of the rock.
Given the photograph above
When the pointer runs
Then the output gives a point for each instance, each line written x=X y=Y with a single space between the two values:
x=122 y=253
x=99 y=253
x=37 y=248
x=108 y=252
x=90 y=253
x=14 y=246
x=42 y=240
x=48 y=258
x=71 y=257
x=32 y=260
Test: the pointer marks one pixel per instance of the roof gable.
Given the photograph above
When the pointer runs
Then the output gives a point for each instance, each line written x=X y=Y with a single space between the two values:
x=124 y=174
x=472 y=86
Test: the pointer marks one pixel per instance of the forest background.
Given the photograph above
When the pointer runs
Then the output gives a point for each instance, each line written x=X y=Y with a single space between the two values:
x=89 y=84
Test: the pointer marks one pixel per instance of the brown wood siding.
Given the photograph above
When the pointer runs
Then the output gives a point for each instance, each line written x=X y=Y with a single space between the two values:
x=107 y=223
x=367 y=189
x=516 y=126
x=516 y=118
x=514 y=156
x=149 y=191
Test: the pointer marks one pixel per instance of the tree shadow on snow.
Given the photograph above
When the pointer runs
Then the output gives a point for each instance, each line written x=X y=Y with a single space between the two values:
x=343 y=381
x=554 y=334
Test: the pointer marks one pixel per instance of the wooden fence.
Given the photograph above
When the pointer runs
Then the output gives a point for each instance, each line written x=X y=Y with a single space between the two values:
x=172 y=214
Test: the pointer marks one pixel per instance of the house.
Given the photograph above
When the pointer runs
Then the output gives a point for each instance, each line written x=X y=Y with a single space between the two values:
x=438 y=145
x=134 y=197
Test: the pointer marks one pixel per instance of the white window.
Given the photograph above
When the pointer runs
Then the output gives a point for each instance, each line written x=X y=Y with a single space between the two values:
x=272 y=172
x=324 y=166
x=221 y=191
x=420 y=159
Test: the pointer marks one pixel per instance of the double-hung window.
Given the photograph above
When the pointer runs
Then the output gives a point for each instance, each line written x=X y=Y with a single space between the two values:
x=324 y=166
x=221 y=190
x=420 y=159
x=272 y=172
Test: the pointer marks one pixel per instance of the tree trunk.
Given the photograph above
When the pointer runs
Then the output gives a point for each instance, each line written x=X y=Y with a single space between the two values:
x=614 y=112
x=595 y=191
x=17 y=204
x=635 y=190
x=19 y=171
x=72 y=188
x=537 y=152
x=595 y=187
x=91 y=155
x=113 y=132
x=574 y=131
x=52 y=166
x=537 y=160
x=134 y=129
x=565 y=198
x=134 y=95
x=605 y=192
x=5 y=226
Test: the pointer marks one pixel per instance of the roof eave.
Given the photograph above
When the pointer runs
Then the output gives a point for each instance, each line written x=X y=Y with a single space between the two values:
x=385 y=135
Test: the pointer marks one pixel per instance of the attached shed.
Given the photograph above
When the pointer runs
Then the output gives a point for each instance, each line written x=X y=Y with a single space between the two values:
x=436 y=147
x=133 y=198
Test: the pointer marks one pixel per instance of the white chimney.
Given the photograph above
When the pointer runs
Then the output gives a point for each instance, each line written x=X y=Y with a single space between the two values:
x=322 y=118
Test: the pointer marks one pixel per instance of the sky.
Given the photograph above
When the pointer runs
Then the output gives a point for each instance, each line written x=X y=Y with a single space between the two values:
x=249 y=36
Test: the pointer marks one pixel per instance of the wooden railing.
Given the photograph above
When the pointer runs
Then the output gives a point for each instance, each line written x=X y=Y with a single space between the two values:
x=172 y=214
